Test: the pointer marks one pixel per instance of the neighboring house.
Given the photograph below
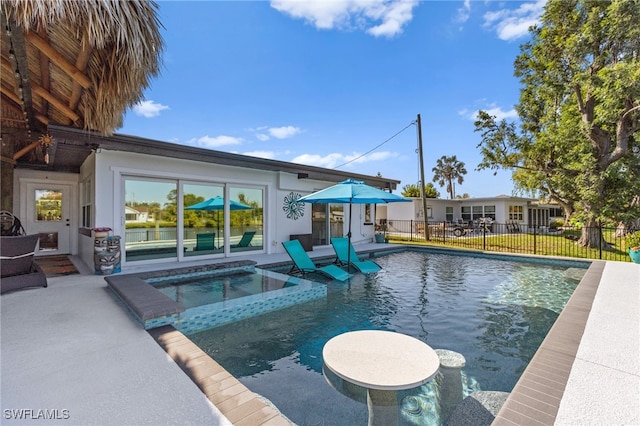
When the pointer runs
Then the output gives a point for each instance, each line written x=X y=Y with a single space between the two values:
x=501 y=209
x=137 y=215
x=109 y=180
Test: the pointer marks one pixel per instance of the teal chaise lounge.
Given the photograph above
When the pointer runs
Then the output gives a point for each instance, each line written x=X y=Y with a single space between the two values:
x=245 y=241
x=303 y=263
x=342 y=247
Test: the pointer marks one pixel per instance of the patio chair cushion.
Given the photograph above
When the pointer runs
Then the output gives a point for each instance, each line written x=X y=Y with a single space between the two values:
x=16 y=254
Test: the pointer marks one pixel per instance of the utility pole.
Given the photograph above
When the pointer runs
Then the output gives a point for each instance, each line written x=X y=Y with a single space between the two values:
x=422 y=183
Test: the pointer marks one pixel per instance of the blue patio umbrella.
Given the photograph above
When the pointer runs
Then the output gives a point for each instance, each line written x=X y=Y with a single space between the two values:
x=217 y=204
x=350 y=192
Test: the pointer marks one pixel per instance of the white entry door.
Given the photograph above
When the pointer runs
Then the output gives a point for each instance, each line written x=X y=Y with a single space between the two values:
x=48 y=213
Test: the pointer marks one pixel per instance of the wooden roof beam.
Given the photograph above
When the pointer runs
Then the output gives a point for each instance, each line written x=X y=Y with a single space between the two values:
x=42 y=118
x=7 y=67
x=55 y=57
x=26 y=149
x=45 y=78
x=9 y=93
x=81 y=63
x=60 y=105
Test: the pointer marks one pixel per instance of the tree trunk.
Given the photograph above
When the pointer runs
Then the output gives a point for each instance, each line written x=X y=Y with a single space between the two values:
x=592 y=236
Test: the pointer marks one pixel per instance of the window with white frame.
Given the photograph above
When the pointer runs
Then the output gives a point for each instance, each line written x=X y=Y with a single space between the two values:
x=448 y=214
x=516 y=213
x=490 y=211
x=466 y=213
x=476 y=212
x=86 y=203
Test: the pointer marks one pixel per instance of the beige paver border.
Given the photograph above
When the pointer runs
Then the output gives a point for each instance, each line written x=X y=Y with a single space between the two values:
x=236 y=402
x=536 y=397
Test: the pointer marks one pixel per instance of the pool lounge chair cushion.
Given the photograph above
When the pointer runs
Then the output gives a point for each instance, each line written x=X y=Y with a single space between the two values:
x=304 y=264
x=17 y=267
x=342 y=246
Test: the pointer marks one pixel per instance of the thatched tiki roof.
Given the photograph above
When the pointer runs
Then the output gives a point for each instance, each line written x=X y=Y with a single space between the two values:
x=78 y=63
x=75 y=63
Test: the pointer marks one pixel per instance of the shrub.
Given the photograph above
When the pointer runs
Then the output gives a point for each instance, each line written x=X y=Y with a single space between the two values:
x=556 y=223
x=632 y=241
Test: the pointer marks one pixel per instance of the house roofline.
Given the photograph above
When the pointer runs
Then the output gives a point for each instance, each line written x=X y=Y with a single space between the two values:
x=126 y=143
x=497 y=198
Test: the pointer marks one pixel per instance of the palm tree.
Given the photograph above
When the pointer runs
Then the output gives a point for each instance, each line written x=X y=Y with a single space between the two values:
x=447 y=171
x=412 y=190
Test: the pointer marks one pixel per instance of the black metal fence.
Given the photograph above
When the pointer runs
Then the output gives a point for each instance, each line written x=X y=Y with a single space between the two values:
x=510 y=237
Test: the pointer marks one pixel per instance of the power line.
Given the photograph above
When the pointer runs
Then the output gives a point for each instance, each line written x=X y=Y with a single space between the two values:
x=377 y=146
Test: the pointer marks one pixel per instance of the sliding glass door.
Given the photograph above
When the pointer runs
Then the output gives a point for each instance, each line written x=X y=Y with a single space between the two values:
x=246 y=214
x=157 y=226
x=203 y=219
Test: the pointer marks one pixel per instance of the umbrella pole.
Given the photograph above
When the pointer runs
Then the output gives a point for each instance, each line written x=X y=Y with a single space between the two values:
x=349 y=239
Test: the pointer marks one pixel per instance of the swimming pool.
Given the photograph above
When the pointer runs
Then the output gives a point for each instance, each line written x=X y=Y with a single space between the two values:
x=494 y=312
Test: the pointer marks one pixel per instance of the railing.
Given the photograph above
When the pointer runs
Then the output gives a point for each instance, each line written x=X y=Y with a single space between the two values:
x=134 y=235
x=509 y=237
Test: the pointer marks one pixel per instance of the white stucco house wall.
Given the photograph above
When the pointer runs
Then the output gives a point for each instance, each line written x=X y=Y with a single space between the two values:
x=119 y=173
x=525 y=212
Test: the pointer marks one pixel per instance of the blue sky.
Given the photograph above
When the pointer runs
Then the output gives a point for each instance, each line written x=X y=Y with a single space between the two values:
x=331 y=82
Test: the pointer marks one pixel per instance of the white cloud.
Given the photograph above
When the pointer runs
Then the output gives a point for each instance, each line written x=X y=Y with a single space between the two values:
x=270 y=155
x=492 y=110
x=265 y=133
x=148 y=109
x=215 y=142
x=499 y=114
x=511 y=24
x=333 y=160
x=328 y=161
x=378 y=17
x=464 y=12
x=283 y=132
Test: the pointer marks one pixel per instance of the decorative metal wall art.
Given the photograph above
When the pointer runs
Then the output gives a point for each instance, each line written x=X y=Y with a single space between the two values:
x=292 y=207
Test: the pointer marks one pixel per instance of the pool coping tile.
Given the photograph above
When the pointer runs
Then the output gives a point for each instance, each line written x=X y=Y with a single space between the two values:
x=554 y=359
x=234 y=400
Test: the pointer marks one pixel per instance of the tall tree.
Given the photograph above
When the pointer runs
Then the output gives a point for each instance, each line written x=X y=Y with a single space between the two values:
x=412 y=190
x=447 y=172
x=579 y=110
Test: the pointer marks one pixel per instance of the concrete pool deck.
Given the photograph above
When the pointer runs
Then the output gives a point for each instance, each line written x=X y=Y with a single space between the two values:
x=72 y=349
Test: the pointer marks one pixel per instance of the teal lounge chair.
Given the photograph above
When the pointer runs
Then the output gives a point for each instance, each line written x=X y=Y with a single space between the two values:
x=205 y=241
x=342 y=247
x=304 y=264
x=245 y=241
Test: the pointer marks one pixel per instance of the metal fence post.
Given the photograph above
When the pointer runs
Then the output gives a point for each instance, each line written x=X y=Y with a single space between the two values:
x=484 y=237
x=411 y=229
x=601 y=237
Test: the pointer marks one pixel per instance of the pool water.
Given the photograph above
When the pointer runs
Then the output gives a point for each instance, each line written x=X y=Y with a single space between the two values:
x=202 y=290
x=494 y=312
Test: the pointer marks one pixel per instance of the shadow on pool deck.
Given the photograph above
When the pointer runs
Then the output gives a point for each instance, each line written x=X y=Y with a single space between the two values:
x=73 y=349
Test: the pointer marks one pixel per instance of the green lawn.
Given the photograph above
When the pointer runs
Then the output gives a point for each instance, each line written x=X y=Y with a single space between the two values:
x=547 y=245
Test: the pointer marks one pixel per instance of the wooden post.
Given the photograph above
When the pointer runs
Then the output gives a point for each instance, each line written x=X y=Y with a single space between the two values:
x=422 y=182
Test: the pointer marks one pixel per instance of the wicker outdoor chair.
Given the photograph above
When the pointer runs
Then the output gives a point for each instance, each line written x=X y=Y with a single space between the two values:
x=17 y=266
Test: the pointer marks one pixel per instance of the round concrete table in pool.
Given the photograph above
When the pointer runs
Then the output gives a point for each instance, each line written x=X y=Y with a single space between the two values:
x=383 y=362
